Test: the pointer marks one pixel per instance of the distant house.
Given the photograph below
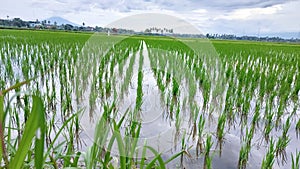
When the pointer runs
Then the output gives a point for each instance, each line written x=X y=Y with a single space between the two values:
x=89 y=28
x=114 y=30
x=35 y=24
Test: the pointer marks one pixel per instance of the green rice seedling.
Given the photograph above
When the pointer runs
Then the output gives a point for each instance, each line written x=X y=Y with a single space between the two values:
x=220 y=130
x=157 y=161
x=269 y=159
x=229 y=107
x=35 y=123
x=107 y=157
x=250 y=73
x=296 y=160
x=171 y=105
x=183 y=148
x=245 y=109
x=298 y=128
x=268 y=126
x=151 y=164
x=130 y=142
x=243 y=157
x=175 y=87
x=256 y=116
x=108 y=88
x=3 y=151
x=279 y=112
x=262 y=87
x=246 y=148
x=101 y=135
x=128 y=74
x=201 y=124
x=168 y=77
x=178 y=122
x=192 y=89
x=139 y=98
x=286 y=127
x=206 y=93
x=281 y=145
x=207 y=157
x=194 y=115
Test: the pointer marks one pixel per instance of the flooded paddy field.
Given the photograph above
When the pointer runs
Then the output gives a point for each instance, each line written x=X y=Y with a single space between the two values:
x=98 y=101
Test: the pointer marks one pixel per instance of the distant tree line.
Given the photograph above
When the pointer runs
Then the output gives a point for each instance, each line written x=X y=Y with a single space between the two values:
x=158 y=30
x=250 y=38
x=44 y=24
x=17 y=22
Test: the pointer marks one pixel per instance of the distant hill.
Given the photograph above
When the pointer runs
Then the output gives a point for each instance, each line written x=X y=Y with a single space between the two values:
x=60 y=21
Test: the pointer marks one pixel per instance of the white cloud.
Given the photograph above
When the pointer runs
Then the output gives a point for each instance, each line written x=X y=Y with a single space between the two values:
x=250 y=13
x=219 y=16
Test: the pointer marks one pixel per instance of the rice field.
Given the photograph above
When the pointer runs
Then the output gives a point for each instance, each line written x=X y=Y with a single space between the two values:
x=86 y=100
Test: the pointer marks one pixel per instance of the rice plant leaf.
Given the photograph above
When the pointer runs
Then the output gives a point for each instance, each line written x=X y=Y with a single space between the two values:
x=33 y=123
x=58 y=134
x=143 y=156
x=40 y=138
x=174 y=156
x=120 y=146
x=157 y=157
x=1 y=121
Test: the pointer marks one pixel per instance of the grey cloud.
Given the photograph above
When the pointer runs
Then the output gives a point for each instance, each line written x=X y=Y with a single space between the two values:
x=175 y=5
x=223 y=5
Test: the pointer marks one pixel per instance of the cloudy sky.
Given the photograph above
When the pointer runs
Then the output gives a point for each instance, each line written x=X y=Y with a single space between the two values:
x=246 y=17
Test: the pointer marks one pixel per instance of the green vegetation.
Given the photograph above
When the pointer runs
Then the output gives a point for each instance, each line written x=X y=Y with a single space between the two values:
x=49 y=80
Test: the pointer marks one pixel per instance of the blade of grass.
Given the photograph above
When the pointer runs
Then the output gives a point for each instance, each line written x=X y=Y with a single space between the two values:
x=31 y=127
x=157 y=157
x=120 y=146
